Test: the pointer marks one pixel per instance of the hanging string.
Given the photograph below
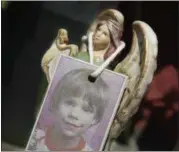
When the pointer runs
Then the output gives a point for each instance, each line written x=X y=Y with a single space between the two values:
x=100 y=69
x=91 y=47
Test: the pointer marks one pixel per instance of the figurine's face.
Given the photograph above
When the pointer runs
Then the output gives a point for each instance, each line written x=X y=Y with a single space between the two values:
x=101 y=38
x=74 y=116
x=63 y=36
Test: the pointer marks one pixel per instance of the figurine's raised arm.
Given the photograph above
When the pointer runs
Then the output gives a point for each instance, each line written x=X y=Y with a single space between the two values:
x=58 y=47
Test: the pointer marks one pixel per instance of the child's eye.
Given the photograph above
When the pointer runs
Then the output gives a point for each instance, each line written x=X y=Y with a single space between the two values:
x=88 y=109
x=70 y=103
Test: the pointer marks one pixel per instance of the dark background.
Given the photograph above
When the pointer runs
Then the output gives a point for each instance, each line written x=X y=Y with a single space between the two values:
x=28 y=29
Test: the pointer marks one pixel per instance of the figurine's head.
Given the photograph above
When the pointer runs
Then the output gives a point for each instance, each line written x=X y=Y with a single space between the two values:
x=107 y=34
x=78 y=103
x=108 y=29
x=101 y=37
x=63 y=36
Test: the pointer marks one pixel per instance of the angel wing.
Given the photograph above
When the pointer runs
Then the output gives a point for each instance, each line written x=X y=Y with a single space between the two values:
x=139 y=65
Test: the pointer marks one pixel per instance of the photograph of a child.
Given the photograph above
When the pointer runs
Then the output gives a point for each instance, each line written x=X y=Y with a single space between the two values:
x=76 y=114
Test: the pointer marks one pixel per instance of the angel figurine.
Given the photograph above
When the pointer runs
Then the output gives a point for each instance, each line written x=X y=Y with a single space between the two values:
x=101 y=44
x=104 y=38
x=59 y=46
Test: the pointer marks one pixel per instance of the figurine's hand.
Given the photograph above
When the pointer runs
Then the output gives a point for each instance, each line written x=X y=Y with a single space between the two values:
x=84 y=38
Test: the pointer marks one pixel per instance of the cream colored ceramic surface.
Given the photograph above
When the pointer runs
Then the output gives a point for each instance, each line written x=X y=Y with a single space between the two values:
x=139 y=65
x=58 y=47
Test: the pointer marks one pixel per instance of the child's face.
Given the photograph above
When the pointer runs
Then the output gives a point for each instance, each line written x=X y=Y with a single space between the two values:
x=75 y=116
